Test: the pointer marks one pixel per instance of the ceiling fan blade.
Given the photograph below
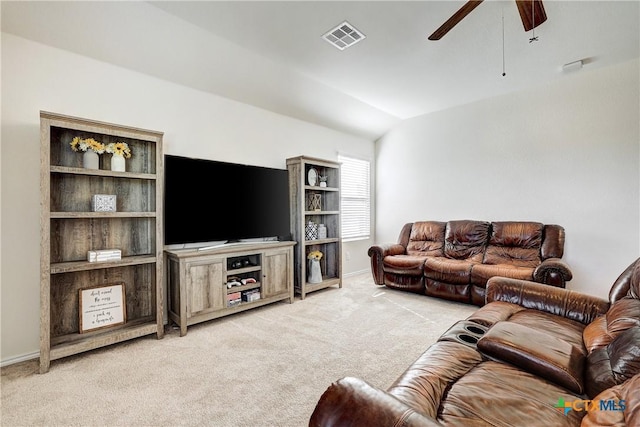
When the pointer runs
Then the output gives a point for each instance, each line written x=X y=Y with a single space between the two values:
x=530 y=9
x=457 y=17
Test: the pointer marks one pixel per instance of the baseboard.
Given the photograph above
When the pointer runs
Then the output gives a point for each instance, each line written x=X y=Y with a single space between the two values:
x=30 y=356
x=18 y=359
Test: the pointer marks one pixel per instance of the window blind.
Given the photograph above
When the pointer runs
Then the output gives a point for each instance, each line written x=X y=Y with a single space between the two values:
x=355 y=202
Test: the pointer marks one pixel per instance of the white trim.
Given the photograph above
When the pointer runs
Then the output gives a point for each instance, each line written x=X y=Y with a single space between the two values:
x=35 y=355
x=355 y=239
x=18 y=359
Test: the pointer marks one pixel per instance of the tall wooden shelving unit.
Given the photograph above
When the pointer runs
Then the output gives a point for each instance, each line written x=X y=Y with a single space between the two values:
x=69 y=229
x=303 y=210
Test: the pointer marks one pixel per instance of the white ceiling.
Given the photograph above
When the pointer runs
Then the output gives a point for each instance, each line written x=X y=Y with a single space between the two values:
x=270 y=53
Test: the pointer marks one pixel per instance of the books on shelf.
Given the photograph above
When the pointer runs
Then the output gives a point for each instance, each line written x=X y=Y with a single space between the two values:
x=251 y=295
x=104 y=255
x=233 y=299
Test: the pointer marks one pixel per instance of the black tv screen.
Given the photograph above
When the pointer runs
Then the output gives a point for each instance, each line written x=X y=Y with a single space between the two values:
x=212 y=201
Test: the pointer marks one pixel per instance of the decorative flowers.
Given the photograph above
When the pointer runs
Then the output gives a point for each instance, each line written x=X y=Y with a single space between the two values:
x=119 y=149
x=115 y=148
x=315 y=255
x=79 y=144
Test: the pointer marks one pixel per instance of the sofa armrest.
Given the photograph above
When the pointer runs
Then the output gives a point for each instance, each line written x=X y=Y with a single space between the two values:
x=553 y=272
x=537 y=296
x=354 y=402
x=377 y=254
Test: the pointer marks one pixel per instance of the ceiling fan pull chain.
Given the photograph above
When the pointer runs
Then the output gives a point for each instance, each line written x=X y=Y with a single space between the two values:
x=533 y=30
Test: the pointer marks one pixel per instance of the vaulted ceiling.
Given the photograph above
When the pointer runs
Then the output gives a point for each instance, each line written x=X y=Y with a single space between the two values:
x=271 y=53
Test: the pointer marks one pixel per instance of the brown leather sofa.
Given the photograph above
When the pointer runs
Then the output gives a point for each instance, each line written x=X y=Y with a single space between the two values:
x=534 y=355
x=454 y=260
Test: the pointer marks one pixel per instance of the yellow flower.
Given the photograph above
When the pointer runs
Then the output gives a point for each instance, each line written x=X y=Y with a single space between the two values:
x=74 y=143
x=79 y=144
x=119 y=149
x=317 y=255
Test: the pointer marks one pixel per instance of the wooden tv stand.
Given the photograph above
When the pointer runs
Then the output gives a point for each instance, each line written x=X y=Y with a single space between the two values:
x=197 y=280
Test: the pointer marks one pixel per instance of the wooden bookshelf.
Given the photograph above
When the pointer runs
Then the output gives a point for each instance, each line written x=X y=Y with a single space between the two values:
x=69 y=229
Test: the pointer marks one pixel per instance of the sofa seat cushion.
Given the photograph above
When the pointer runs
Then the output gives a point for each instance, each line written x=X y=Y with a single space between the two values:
x=496 y=394
x=424 y=384
x=518 y=257
x=536 y=352
x=404 y=264
x=453 y=271
x=480 y=273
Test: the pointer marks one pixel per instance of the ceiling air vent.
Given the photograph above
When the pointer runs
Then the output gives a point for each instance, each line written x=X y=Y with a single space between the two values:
x=343 y=36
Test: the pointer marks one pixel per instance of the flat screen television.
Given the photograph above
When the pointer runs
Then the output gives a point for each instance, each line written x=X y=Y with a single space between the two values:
x=213 y=202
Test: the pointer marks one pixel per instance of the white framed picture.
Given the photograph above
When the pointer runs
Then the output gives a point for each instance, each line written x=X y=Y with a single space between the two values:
x=102 y=307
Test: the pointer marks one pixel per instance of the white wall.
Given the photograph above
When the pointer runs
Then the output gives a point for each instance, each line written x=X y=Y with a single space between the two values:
x=566 y=153
x=37 y=77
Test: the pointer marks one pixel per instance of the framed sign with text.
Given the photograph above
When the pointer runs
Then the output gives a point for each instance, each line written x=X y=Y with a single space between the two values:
x=102 y=307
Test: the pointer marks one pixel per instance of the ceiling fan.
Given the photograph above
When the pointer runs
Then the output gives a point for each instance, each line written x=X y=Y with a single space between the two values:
x=531 y=12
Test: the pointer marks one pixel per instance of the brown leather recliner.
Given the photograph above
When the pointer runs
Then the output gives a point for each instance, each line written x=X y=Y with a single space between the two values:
x=533 y=355
x=454 y=260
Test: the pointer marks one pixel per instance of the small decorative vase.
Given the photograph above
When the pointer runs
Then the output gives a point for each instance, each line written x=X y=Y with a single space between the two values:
x=311 y=231
x=322 y=231
x=117 y=163
x=323 y=183
x=315 y=274
x=90 y=160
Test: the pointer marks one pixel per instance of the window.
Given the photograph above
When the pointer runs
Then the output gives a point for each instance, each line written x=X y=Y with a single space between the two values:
x=356 y=198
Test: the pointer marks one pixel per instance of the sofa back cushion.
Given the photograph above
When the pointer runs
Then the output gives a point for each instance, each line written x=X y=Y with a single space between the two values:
x=621 y=316
x=514 y=243
x=613 y=364
x=426 y=238
x=627 y=284
x=466 y=239
x=613 y=340
x=552 y=242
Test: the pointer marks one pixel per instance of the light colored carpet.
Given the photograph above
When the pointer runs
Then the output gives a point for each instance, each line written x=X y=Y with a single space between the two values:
x=263 y=367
